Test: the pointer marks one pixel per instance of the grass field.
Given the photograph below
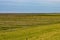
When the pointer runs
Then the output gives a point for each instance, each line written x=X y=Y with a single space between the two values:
x=29 y=27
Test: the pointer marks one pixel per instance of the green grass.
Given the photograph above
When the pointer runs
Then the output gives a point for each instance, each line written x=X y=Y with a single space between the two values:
x=29 y=27
x=47 y=32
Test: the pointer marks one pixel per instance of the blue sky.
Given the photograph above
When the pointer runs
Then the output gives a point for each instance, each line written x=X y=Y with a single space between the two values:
x=31 y=6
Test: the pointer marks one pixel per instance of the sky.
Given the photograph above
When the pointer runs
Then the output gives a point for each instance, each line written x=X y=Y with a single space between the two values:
x=30 y=6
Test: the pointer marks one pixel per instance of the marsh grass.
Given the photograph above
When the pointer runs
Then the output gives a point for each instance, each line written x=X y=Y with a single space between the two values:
x=29 y=27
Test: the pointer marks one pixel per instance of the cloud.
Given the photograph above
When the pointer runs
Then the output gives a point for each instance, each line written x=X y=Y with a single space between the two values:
x=36 y=0
x=32 y=0
x=47 y=0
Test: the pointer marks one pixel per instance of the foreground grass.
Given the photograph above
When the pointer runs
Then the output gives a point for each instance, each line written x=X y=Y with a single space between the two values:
x=47 y=32
x=29 y=27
